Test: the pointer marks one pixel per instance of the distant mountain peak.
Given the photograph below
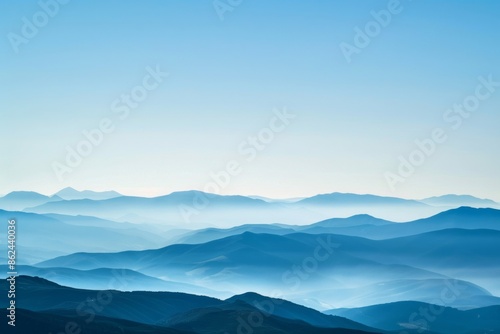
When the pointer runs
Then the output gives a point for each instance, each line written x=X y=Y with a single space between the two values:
x=467 y=209
x=68 y=190
x=22 y=193
x=337 y=198
x=19 y=200
x=70 y=193
x=453 y=200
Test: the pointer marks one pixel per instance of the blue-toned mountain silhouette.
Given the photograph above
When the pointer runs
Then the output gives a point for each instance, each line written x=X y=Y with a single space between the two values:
x=199 y=208
x=19 y=200
x=236 y=263
x=425 y=317
x=170 y=310
x=203 y=208
x=211 y=272
x=72 y=194
x=460 y=200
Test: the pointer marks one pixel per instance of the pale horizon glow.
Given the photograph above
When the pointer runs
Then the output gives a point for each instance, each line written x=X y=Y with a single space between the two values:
x=159 y=194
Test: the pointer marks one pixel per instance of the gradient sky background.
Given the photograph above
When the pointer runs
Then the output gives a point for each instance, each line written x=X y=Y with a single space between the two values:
x=353 y=120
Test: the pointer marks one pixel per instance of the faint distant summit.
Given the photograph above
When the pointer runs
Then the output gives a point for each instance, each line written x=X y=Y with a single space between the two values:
x=73 y=194
x=459 y=200
x=19 y=200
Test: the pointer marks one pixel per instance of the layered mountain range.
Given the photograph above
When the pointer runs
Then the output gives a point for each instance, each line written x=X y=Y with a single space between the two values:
x=254 y=265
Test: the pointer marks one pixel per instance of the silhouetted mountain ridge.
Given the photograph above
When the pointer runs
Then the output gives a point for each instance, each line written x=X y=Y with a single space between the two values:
x=425 y=317
x=169 y=310
x=73 y=194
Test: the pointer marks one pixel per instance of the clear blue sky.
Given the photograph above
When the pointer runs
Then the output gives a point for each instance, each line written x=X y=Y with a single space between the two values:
x=353 y=120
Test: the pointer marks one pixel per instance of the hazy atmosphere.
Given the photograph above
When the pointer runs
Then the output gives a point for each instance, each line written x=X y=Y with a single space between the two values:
x=250 y=167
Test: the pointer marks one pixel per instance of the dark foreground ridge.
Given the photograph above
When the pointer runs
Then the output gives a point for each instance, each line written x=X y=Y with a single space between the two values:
x=51 y=308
